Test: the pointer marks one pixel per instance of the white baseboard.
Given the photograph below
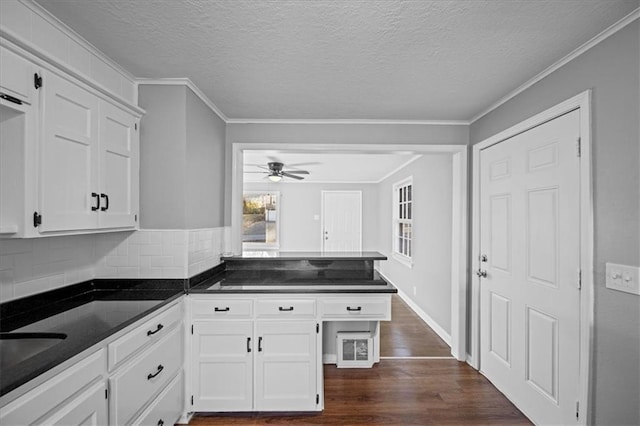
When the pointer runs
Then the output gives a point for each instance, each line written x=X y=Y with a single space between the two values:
x=329 y=358
x=422 y=314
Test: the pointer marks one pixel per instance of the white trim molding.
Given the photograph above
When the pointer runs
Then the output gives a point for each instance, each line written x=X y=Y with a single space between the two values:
x=188 y=83
x=582 y=103
x=571 y=56
x=347 y=121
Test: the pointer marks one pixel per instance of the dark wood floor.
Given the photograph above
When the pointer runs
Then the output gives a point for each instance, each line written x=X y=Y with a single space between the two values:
x=398 y=391
x=408 y=335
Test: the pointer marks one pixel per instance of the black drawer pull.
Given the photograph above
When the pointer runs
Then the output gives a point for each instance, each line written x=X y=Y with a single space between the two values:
x=106 y=198
x=281 y=309
x=350 y=309
x=216 y=309
x=151 y=376
x=10 y=98
x=248 y=344
x=160 y=422
x=260 y=344
x=97 y=197
x=158 y=328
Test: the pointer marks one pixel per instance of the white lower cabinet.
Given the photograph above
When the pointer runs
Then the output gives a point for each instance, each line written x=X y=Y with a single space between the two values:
x=164 y=410
x=88 y=408
x=253 y=364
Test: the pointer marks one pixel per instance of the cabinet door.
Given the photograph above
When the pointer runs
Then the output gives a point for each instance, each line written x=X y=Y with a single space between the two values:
x=119 y=147
x=88 y=408
x=286 y=366
x=16 y=76
x=69 y=156
x=222 y=366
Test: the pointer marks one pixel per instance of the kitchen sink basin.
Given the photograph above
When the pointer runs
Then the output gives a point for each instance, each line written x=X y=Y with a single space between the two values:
x=17 y=347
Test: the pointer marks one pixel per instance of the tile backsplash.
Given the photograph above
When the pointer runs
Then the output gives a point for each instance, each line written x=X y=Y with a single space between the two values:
x=29 y=266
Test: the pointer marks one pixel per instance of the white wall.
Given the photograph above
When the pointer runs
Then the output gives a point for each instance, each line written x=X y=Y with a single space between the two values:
x=301 y=201
x=432 y=226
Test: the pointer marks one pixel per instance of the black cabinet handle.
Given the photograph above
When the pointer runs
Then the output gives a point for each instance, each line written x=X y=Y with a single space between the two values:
x=260 y=344
x=281 y=309
x=151 y=376
x=10 y=98
x=216 y=309
x=248 y=344
x=106 y=199
x=160 y=422
x=158 y=328
x=97 y=197
x=350 y=309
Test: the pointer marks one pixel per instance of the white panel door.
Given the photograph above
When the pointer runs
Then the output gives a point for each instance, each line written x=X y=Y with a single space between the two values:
x=118 y=167
x=69 y=157
x=222 y=375
x=342 y=221
x=529 y=237
x=16 y=76
x=286 y=366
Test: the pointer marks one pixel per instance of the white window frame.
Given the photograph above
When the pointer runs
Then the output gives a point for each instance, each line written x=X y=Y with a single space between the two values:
x=405 y=259
x=266 y=246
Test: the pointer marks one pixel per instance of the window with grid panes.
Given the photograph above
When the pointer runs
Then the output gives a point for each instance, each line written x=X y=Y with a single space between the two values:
x=403 y=218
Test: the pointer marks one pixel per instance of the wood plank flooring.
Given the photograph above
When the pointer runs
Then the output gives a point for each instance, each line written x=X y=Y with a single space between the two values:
x=398 y=391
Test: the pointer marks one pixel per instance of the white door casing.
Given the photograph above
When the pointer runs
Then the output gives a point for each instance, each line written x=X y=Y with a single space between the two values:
x=342 y=221
x=530 y=300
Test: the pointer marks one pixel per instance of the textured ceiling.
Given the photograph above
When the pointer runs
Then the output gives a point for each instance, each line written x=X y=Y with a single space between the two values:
x=387 y=60
x=326 y=167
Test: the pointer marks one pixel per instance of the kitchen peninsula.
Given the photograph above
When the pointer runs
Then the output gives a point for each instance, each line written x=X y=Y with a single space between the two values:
x=263 y=323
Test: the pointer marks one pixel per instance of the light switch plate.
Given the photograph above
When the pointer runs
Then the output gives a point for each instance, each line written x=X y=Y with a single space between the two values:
x=623 y=278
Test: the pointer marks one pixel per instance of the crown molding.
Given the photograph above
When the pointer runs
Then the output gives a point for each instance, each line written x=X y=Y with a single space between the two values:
x=188 y=83
x=347 y=121
x=571 y=56
x=68 y=31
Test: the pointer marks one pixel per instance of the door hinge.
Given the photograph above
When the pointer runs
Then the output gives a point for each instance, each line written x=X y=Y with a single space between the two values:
x=577 y=410
x=579 y=279
x=106 y=393
x=191 y=328
x=135 y=217
x=317 y=328
x=135 y=126
x=37 y=81
x=191 y=399
x=37 y=219
x=579 y=147
x=317 y=398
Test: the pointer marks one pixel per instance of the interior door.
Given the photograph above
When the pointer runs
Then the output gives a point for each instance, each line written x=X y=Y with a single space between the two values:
x=342 y=221
x=118 y=167
x=69 y=178
x=530 y=251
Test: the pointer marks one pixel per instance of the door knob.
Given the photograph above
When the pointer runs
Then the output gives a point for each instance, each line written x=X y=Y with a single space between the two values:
x=482 y=274
x=483 y=258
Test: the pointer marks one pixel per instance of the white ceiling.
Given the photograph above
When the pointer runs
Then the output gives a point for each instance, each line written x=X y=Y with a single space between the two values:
x=379 y=60
x=327 y=167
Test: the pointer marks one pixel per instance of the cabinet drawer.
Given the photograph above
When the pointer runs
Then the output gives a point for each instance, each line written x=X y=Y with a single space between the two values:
x=166 y=408
x=49 y=395
x=285 y=308
x=151 y=331
x=222 y=308
x=352 y=308
x=143 y=377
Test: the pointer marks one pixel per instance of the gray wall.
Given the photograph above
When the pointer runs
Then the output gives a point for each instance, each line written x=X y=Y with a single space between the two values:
x=182 y=171
x=205 y=171
x=301 y=201
x=611 y=70
x=419 y=134
x=432 y=227
x=162 y=157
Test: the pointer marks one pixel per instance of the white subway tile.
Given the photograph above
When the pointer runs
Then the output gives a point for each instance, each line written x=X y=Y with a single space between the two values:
x=117 y=261
x=155 y=237
x=16 y=246
x=161 y=261
x=151 y=250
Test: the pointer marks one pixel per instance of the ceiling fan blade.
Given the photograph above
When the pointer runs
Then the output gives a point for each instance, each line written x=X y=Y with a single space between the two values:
x=297 y=172
x=255 y=172
x=291 y=176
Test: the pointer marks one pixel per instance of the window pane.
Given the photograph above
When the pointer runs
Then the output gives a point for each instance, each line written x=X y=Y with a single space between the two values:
x=409 y=192
x=260 y=218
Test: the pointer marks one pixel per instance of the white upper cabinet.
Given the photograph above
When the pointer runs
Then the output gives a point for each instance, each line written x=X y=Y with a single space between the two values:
x=16 y=78
x=89 y=161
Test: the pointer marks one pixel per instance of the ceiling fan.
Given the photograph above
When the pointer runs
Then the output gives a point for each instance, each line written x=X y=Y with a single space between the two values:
x=275 y=173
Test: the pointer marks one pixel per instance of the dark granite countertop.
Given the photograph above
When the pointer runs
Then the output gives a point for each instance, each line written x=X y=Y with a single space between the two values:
x=279 y=282
x=87 y=313
x=306 y=255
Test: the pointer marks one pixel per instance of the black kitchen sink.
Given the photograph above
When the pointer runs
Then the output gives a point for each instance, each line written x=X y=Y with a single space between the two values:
x=17 y=347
